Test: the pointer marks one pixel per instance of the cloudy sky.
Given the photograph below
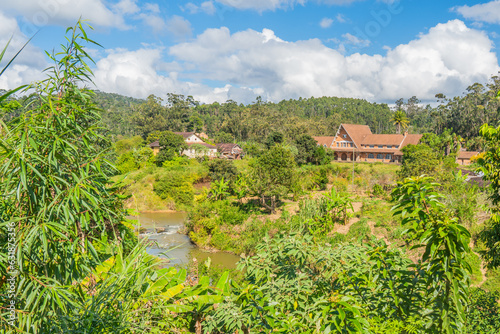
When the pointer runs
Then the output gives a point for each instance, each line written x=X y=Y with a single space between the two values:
x=216 y=50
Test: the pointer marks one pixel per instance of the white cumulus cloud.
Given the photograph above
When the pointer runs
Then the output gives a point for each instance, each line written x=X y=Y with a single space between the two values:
x=447 y=59
x=28 y=65
x=66 y=12
x=138 y=73
x=485 y=12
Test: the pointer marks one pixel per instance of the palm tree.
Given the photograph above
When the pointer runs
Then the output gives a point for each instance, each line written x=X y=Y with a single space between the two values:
x=400 y=120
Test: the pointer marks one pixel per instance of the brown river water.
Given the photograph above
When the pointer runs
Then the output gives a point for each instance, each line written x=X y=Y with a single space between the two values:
x=163 y=229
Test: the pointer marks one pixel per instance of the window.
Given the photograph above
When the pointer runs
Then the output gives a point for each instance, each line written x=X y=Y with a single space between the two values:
x=380 y=156
x=381 y=146
x=337 y=144
x=324 y=145
x=370 y=156
x=345 y=136
x=389 y=146
x=396 y=146
x=388 y=156
x=372 y=146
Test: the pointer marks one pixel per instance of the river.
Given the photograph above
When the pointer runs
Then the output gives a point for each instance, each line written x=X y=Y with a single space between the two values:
x=163 y=229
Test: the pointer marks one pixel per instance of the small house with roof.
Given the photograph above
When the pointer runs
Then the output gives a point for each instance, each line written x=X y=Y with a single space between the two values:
x=464 y=157
x=229 y=151
x=200 y=149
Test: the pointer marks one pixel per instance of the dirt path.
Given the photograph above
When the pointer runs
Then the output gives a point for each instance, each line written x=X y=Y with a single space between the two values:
x=371 y=224
x=343 y=229
x=482 y=268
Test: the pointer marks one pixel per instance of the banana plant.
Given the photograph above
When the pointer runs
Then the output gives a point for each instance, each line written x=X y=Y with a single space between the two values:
x=204 y=298
x=219 y=189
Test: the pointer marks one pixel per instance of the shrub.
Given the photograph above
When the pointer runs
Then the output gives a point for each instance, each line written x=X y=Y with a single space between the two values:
x=340 y=184
x=175 y=185
x=144 y=157
x=128 y=144
x=222 y=168
x=378 y=190
x=126 y=163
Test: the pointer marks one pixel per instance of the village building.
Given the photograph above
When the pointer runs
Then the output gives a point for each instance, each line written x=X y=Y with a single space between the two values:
x=190 y=138
x=230 y=151
x=464 y=157
x=155 y=146
x=357 y=142
x=197 y=147
x=196 y=150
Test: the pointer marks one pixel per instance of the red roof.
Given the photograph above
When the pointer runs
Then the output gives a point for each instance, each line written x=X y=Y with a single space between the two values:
x=384 y=139
x=322 y=141
x=357 y=132
x=413 y=139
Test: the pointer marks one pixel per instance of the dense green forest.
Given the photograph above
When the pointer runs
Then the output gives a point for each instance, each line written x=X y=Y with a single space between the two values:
x=325 y=247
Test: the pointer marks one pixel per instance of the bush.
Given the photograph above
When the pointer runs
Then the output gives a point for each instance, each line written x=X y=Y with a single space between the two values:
x=222 y=168
x=144 y=157
x=126 y=163
x=340 y=184
x=175 y=185
x=128 y=144
x=484 y=313
x=378 y=190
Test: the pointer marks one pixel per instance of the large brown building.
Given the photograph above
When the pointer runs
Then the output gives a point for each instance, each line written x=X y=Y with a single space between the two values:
x=354 y=141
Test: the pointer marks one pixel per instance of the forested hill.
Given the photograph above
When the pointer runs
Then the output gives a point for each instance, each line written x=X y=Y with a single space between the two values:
x=315 y=116
x=230 y=121
x=117 y=111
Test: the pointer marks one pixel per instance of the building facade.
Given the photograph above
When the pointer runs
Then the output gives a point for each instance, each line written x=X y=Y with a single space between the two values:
x=354 y=142
x=200 y=148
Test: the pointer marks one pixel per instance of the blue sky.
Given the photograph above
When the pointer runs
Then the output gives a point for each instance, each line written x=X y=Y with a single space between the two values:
x=379 y=50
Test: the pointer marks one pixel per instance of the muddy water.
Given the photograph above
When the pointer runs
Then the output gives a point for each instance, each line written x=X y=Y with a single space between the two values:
x=162 y=228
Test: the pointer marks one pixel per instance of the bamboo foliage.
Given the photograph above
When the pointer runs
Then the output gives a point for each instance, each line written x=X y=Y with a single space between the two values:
x=54 y=187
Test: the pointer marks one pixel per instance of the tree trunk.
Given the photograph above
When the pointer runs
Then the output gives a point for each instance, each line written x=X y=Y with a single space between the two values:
x=264 y=204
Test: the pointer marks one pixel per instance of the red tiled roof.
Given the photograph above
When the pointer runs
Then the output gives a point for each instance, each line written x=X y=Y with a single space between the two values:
x=156 y=143
x=466 y=154
x=357 y=132
x=383 y=139
x=328 y=141
x=413 y=139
